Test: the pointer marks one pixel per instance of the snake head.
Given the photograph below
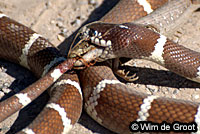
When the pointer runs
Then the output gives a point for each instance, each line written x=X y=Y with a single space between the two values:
x=96 y=32
x=91 y=45
x=97 y=42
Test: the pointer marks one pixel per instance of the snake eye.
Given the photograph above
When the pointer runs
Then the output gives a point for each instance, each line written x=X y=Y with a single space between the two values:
x=92 y=33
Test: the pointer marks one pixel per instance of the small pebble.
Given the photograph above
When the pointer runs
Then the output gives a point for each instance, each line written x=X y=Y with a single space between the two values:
x=64 y=32
x=77 y=22
x=152 y=88
x=6 y=84
x=48 y=4
x=166 y=91
x=93 y=2
x=2 y=69
x=195 y=96
x=6 y=90
x=59 y=24
x=60 y=19
x=176 y=91
x=1 y=94
x=60 y=38
x=53 y=22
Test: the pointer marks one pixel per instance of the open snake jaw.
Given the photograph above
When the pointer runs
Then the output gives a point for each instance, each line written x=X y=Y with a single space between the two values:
x=85 y=52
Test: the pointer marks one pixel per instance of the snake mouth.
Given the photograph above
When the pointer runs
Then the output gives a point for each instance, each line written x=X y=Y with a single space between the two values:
x=86 y=53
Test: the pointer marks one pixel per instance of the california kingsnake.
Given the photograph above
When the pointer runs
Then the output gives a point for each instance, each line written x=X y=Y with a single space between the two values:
x=107 y=94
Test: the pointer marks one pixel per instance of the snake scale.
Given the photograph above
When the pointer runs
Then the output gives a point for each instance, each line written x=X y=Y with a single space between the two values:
x=107 y=100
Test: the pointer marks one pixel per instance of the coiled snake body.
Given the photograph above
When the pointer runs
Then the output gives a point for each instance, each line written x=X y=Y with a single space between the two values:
x=108 y=101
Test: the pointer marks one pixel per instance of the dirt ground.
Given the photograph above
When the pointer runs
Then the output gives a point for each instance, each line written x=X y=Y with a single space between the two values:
x=57 y=20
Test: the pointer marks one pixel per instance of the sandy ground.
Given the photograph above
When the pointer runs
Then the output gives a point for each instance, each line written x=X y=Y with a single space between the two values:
x=57 y=21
